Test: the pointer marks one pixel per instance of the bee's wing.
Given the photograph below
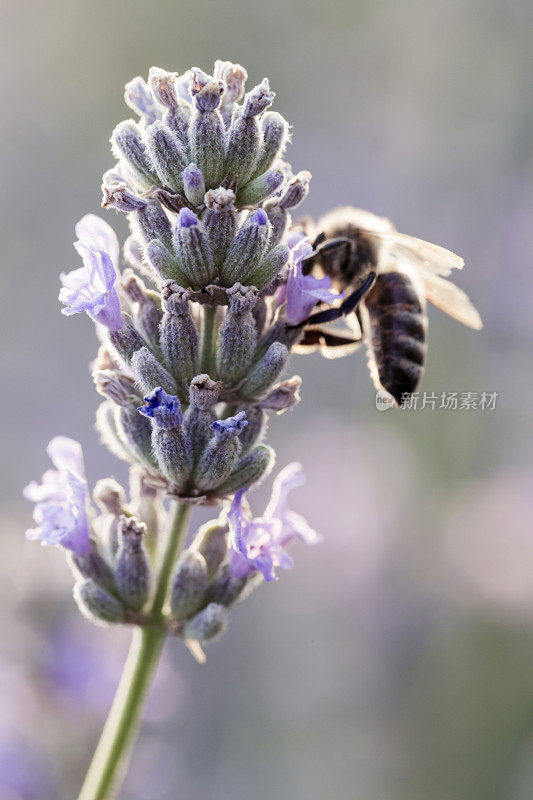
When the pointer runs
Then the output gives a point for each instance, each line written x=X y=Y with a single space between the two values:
x=450 y=299
x=420 y=254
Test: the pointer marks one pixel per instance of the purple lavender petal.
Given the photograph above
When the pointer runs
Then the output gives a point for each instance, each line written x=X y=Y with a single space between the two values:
x=230 y=425
x=65 y=453
x=259 y=543
x=289 y=478
x=163 y=408
x=61 y=500
x=91 y=288
x=187 y=218
x=96 y=231
x=235 y=519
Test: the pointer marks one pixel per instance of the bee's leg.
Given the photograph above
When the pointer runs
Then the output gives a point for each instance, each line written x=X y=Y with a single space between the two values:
x=331 y=345
x=334 y=250
x=319 y=239
x=345 y=308
x=353 y=300
x=316 y=336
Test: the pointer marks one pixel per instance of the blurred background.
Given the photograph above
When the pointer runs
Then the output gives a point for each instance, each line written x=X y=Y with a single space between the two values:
x=396 y=660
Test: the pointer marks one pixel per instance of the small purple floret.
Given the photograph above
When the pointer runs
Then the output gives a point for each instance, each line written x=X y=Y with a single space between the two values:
x=187 y=218
x=259 y=217
x=163 y=408
x=259 y=543
x=192 y=177
x=139 y=97
x=61 y=499
x=230 y=425
x=91 y=288
x=303 y=292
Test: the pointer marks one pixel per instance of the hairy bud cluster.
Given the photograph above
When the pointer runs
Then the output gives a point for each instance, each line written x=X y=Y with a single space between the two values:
x=207 y=194
x=193 y=169
x=114 y=577
x=203 y=587
x=191 y=361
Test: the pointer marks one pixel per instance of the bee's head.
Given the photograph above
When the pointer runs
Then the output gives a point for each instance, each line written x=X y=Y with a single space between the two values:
x=331 y=257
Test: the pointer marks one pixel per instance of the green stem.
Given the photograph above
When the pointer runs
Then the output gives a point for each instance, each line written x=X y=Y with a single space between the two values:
x=110 y=760
x=174 y=544
x=208 y=332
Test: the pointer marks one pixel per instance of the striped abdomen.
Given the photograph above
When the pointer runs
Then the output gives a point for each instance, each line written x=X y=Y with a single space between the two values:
x=395 y=331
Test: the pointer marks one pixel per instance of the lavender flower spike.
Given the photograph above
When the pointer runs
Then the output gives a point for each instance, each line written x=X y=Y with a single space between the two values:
x=61 y=499
x=259 y=543
x=303 y=291
x=91 y=288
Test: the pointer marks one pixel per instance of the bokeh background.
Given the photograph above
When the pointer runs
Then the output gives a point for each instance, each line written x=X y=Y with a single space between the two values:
x=396 y=660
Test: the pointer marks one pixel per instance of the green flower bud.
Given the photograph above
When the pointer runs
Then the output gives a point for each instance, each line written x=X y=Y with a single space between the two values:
x=178 y=120
x=208 y=624
x=98 y=605
x=203 y=393
x=125 y=342
x=258 y=189
x=280 y=220
x=165 y=263
x=146 y=311
x=193 y=250
x=237 y=336
x=149 y=373
x=92 y=565
x=135 y=433
x=247 y=249
x=265 y=371
x=270 y=266
x=132 y=572
x=167 y=155
x=127 y=145
x=220 y=222
x=151 y=222
x=189 y=585
x=107 y=430
x=193 y=184
x=221 y=454
x=206 y=129
x=211 y=542
x=245 y=135
x=275 y=130
x=179 y=337
x=225 y=588
x=252 y=468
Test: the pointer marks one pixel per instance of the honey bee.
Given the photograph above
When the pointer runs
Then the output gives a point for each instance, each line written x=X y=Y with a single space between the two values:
x=390 y=276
